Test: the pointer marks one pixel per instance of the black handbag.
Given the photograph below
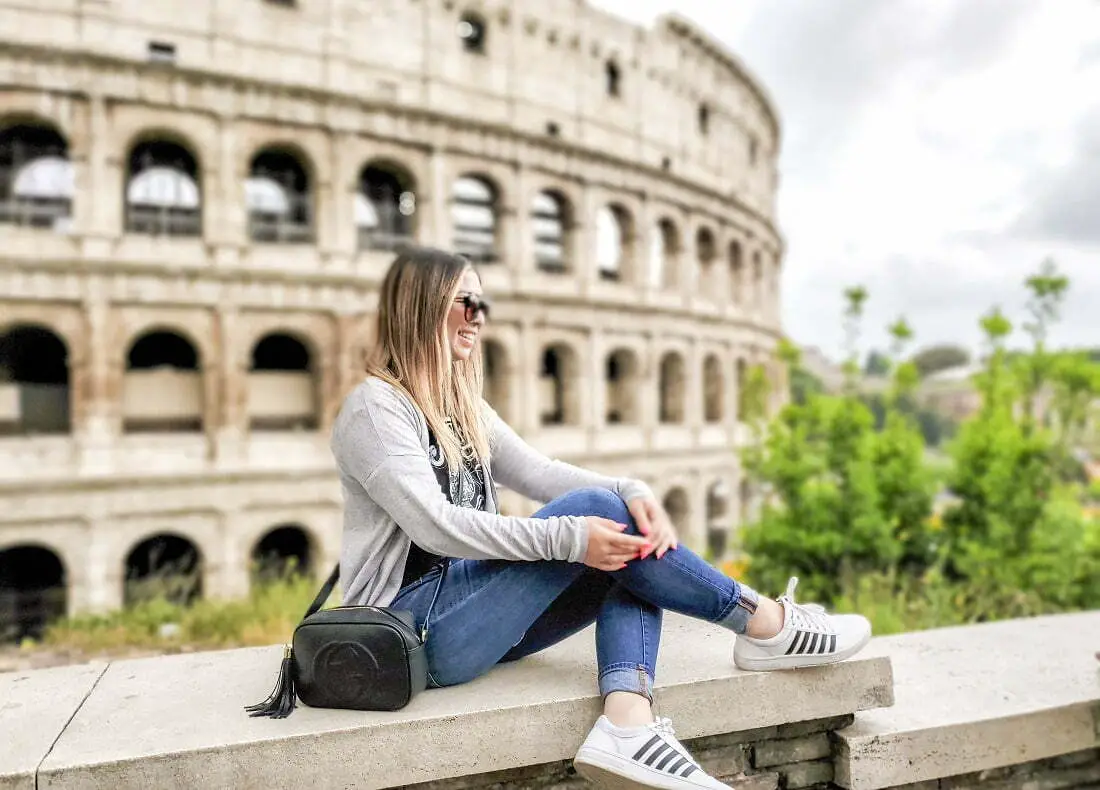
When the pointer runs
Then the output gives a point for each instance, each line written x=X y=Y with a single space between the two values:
x=354 y=657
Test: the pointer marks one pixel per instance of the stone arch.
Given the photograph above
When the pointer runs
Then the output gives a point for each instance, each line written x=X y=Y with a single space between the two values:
x=552 y=223
x=672 y=385
x=496 y=374
x=385 y=205
x=35 y=393
x=623 y=376
x=718 y=528
x=664 y=254
x=33 y=591
x=475 y=217
x=162 y=386
x=678 y=506
x=36 y=175
x=165 y=565
x=282 y=551
x=559 y=385
x=714 y=390
x=706 y=251
x=279 y=195
x=163 y=187
x=735 y=259
x=614 y=242
x=284 y=384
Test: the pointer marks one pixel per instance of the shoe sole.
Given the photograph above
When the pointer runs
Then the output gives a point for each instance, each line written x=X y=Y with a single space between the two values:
x=798 y=662
x=607 y=771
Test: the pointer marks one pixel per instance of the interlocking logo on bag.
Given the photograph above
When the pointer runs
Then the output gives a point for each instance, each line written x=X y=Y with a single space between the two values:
x=348 y=668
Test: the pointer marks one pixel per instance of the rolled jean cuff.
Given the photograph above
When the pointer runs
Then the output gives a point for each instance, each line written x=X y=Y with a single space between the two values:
x=624 y=677
x=736 y=617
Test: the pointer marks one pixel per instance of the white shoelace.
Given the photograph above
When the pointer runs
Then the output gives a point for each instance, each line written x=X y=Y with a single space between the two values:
x=663 y=727
x=806 y=616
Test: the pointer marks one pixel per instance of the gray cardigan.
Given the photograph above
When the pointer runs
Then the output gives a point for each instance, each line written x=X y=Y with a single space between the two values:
x=391 y=496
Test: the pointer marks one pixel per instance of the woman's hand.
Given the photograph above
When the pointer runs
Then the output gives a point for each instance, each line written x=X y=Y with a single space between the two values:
x=653 y=522
x=608 y=548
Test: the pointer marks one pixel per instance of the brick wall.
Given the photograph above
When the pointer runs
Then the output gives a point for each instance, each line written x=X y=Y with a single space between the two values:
x=1074 y=770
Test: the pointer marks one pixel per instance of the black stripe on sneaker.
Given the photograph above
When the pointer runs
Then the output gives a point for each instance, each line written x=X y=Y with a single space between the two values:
x=794 y=643
x=649 y=744
x=813 y=644
x=688 y=771
x=676 y=766
x=668 y=759
x=664 y=747
x=832 y=643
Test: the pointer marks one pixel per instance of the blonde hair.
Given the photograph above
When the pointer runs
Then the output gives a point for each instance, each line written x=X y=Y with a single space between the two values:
x=412 y=351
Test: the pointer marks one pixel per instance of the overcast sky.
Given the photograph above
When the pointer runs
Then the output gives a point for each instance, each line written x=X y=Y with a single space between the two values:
x=934 y=151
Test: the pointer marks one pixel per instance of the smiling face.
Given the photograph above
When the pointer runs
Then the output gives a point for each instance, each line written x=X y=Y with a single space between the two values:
x=462 y=335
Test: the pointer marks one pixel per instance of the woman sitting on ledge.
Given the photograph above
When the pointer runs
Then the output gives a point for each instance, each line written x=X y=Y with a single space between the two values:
x=419 y=452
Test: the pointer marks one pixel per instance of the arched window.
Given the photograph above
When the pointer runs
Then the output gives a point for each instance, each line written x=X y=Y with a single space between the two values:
x=714 y=390
x=163 y=566
x=33 y=592
x=559 y=388
x=471 y=31
x=34 y=382
x=36 y=177
x=385 y=207
x=162 y=191
x=474 y=217
x=664 y=252
x=612 y=79
x=283 y=390
x=622 y=387
x=550 y=220
x=706 y=252
x=162 y=388
x=495 y=374
x=737 y=272
x=678 y=508
x=672 y=386
x=283 y=552
x=614 y=241
x=279 y=199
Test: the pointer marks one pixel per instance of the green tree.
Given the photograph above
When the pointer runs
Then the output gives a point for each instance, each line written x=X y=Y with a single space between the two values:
x=941 y=357
x=877 y=364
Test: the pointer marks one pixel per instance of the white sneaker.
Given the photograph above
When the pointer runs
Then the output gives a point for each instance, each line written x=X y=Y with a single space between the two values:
x=620 y=758
x=810 y=637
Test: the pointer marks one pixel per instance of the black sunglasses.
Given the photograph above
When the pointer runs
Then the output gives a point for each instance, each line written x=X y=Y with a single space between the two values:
x=473 y=305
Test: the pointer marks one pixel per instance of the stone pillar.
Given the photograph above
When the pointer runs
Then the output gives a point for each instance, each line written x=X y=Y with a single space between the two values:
x=103 y=187
x=329 y=377
x=528 y=369
x=586 y=268
x=230 y=372
x=597 y=373
x=100 y=585
x=437 y=228
x=693 y=387
x=522 y=231
x=97 y=388
x=225 y=213
x=343 y=238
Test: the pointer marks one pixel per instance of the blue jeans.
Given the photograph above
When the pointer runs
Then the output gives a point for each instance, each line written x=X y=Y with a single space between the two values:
x=491 y=611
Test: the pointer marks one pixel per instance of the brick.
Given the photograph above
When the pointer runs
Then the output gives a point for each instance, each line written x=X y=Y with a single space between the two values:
x=765 y=781
x=800 y=728
x=801 y=774
x=793 y=750
x=728 y=761
x=1074 y=759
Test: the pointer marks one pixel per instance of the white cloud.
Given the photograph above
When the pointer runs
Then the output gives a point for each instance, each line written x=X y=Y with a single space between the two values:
x=934 y=151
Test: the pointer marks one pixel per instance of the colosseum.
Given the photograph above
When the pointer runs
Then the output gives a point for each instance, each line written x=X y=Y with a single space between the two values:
x=198 y=199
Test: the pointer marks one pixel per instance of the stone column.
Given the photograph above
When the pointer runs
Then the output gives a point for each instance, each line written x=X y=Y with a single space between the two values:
x=225 y=213
x=693 y=387
x=230 y=371
x=522 y=231
x=101 y=584
x=97 y=388
x=597 y=373
x=437 y=226
x=528 y=369
x=103 y=187
x=585 y=266
x=343 y=241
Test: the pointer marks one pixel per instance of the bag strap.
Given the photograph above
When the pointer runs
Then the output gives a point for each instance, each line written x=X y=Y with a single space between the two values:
x=330 y=584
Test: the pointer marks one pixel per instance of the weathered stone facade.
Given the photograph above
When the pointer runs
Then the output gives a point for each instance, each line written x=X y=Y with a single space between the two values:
x=198 y=199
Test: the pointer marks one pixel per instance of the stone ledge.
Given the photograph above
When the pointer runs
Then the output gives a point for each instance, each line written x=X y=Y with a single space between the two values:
x=978 y=698
x=177 y=721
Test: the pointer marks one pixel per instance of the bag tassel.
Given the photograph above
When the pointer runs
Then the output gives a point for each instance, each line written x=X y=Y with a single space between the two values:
x=282 y=700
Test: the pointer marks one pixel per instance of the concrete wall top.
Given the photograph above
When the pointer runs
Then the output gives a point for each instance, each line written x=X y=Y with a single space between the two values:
x=542 y=72
x=177 y=721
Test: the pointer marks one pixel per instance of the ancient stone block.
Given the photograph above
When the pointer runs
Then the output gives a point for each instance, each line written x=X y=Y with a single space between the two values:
x=793 y=750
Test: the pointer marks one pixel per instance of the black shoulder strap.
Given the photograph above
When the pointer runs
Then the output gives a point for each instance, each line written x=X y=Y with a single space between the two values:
x=330 y=584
